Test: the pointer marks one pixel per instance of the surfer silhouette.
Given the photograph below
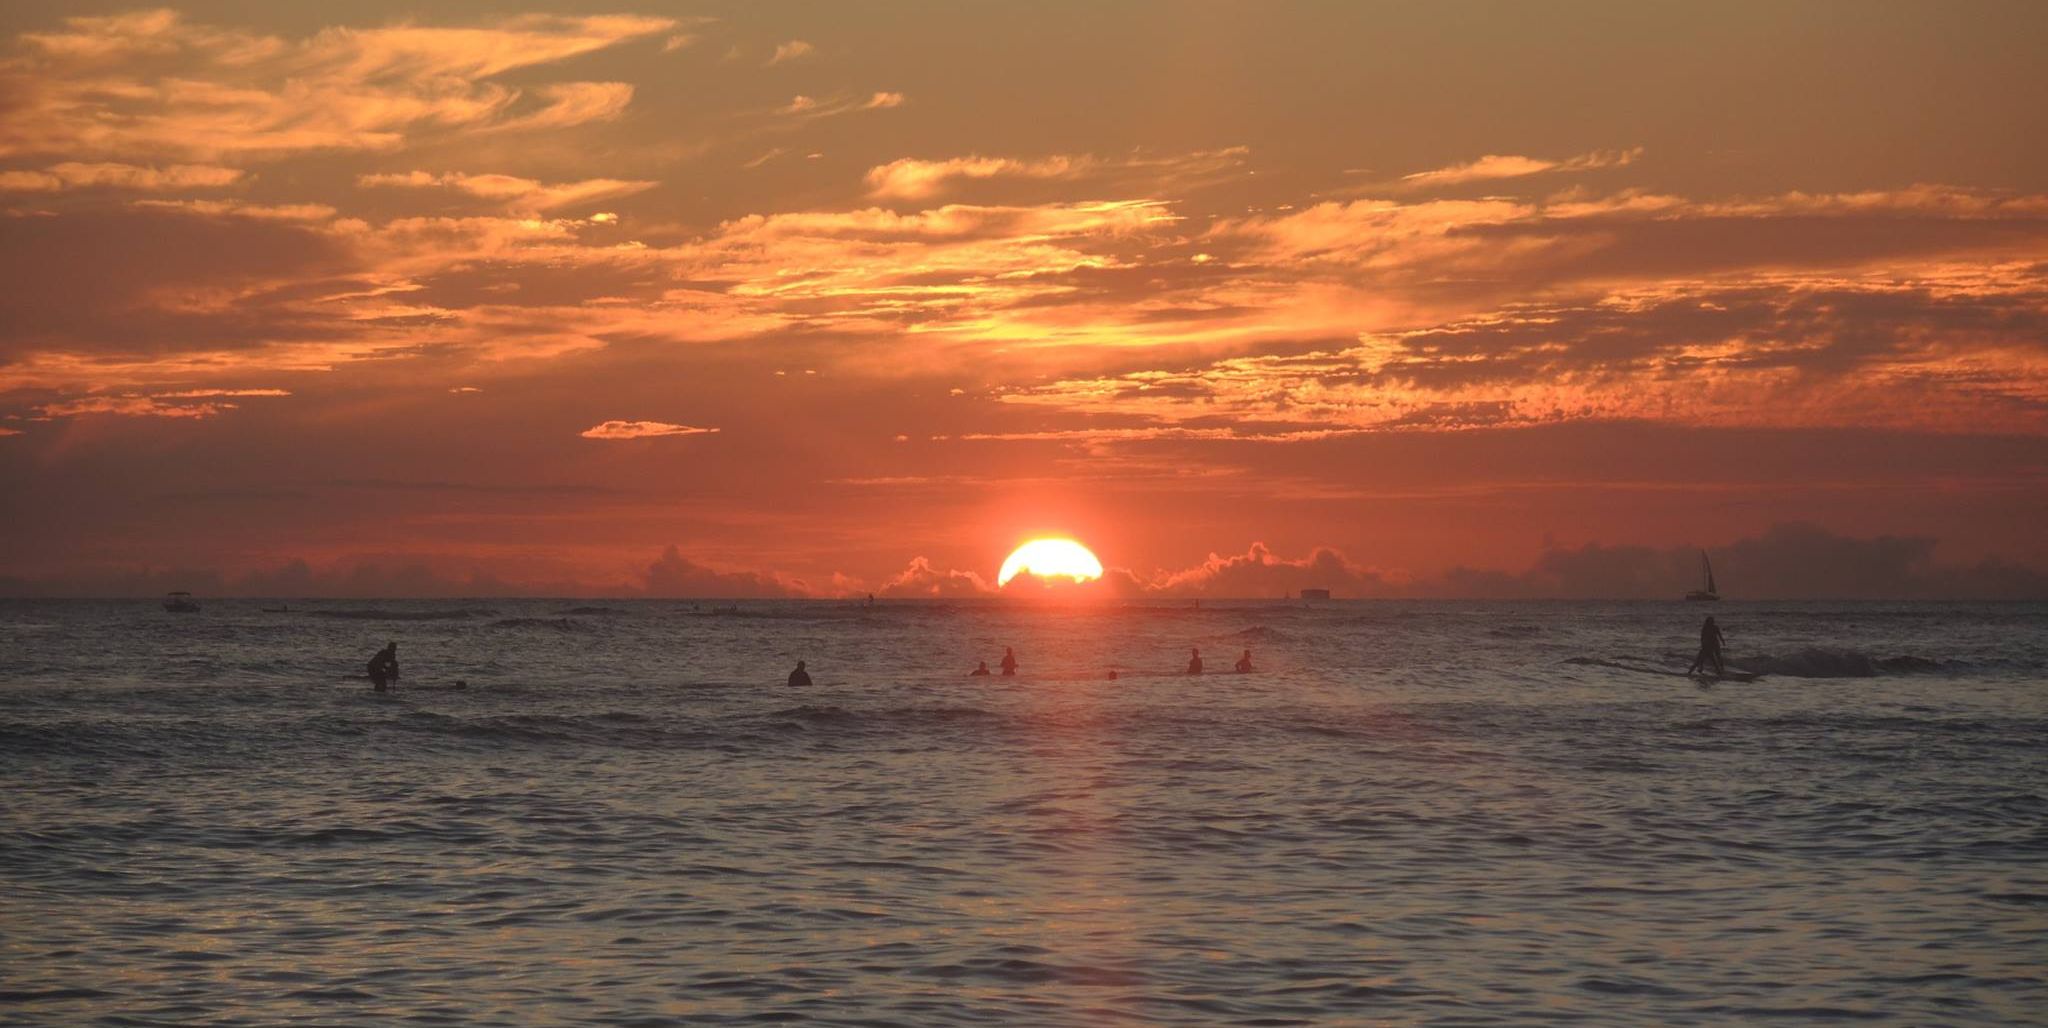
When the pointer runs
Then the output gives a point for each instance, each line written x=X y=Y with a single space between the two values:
x=1195 y=662
x=383 y=667
x=1244 y=663
x=979 y=669
x=1711 y=642
x=1009 y=664
x=799 y=676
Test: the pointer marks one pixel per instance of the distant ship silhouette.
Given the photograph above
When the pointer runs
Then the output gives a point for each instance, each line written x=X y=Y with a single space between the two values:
x=181 y=603
x=1707 y=570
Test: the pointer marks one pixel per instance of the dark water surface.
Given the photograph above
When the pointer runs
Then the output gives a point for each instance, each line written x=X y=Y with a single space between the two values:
x=1441 y=813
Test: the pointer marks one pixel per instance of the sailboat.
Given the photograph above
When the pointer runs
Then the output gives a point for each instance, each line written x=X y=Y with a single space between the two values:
x=1707 y=571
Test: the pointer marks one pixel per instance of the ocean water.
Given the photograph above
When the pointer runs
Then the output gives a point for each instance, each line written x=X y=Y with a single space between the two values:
x=1443 y=813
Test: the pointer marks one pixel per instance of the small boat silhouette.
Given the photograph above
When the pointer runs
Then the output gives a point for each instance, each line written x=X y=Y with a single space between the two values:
x=1707 y=570
x=181 y=603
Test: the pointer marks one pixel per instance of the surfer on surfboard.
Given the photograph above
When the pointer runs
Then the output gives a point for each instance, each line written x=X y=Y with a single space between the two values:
x=383 y=667
x=1711 y=642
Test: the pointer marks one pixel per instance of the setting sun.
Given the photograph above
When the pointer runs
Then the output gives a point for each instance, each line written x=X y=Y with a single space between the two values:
x=1051 y=558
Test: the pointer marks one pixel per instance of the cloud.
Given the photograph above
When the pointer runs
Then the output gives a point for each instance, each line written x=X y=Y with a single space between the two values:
x=239 y=209
x=567 y=104
x=912 y=178
x=922 y=580
x=1502 y=166
x=154 y=84
x=640 y=430
x=803 y=108
x=1760 y=353
x=1788 y=562
x=675 y=576
x=794 y=50
x=176 y=404
x=1258 y=572
x=518 y=193
x=78 y=175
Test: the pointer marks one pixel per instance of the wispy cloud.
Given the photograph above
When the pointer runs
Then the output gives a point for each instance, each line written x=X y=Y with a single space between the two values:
x=1502 y=166
x=518 y=193
x=809 y=108
x=187 y=403
x=108 y=175
x=794 y=50
x=913 y=178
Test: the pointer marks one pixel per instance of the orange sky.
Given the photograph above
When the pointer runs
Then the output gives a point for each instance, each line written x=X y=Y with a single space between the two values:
x=823 y=299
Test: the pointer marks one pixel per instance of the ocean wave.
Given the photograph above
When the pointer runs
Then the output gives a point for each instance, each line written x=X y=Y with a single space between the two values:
x=375 y=614
x=1261 y=632
x=1830 y=662
x=595 y=611
x=552 y=624
x=616 y=728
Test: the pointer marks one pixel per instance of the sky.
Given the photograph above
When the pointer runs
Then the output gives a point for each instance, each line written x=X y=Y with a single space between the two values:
x=751 y=299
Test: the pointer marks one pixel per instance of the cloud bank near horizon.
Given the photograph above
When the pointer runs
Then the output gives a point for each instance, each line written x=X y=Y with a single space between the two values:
x=1788 y=562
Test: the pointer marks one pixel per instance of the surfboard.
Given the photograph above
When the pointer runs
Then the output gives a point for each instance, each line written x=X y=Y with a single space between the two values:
x=1731 y=675
x=1728 y=676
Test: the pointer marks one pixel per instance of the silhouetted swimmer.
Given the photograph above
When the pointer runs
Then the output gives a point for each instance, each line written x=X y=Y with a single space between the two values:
x=383 y=667
x=1244 y=663
x=1711 y=641
x=1009 y=664
x=1195 y=662
x=1112 y=674
x=799 y=676
x=980 y=669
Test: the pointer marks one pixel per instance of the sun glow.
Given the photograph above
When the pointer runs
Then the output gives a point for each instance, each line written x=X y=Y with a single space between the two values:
x=1051 y=558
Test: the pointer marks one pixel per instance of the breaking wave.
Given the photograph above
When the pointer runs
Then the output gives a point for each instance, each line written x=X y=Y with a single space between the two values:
x=1828 y=662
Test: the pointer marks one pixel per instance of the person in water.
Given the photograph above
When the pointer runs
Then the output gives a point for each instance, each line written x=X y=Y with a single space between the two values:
x=1009 y=664
x=1244 y=663
x=799 y=676
x=980 y=670
x=1112 y=674
x=384 y=667
x=1195 y=662
x=1711 y=642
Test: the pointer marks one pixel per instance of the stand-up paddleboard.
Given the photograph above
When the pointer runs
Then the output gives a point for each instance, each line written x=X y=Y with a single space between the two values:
x=1730 y=675
x=400 y=687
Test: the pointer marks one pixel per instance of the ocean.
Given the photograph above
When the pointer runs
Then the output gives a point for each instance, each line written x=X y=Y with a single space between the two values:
x=1442 y=813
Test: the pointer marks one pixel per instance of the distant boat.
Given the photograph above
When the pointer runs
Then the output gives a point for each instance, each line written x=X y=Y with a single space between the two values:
x=181 y=603
x=1315 y=594
x=1706 y=571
